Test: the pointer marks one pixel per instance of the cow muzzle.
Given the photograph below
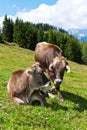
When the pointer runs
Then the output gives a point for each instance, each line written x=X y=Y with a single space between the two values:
x=57 y=81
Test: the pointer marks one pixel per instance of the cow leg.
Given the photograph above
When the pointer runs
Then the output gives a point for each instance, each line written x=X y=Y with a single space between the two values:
x=18 y=101
x=47 y=93
x=37 y=96
x=59 y=94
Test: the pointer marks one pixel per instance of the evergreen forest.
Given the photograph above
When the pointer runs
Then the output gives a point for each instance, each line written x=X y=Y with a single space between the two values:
x=27 y=35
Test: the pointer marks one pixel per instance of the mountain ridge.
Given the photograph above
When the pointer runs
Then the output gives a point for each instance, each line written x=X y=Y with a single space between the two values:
x=80 y=34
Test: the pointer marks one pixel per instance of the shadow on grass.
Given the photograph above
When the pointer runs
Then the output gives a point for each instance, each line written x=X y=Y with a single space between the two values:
x=56 y=106
x=80 y=102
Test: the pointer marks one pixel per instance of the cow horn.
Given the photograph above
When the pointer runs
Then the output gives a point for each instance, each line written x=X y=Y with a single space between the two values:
x=51 y=67
x=67 y=69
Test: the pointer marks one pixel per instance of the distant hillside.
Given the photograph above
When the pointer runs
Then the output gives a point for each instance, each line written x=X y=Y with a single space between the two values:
x=81 y=34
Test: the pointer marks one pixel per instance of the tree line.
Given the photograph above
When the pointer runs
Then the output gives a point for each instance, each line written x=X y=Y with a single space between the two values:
x=27 y=35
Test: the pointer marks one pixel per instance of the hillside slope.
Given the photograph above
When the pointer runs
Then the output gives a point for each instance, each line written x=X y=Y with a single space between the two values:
x=70 y=115
x=13 y=58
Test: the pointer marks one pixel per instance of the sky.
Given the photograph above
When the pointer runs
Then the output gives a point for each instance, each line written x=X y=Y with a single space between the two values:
x=66 y=14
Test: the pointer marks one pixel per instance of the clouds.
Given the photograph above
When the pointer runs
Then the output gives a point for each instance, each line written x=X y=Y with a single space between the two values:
x=1 y=21
x=65 y=13
x=41 y=14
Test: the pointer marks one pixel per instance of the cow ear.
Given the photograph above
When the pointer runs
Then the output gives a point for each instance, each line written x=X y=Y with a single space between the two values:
x=67 y=69
x=29 y=71
x=51 y=67
x=37 y=64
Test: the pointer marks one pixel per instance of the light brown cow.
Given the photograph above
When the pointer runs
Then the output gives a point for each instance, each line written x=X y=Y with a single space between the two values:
x=23 y=83
x=51 y=60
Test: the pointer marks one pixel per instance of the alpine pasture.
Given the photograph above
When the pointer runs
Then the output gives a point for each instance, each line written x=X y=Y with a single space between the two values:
x=69 y=115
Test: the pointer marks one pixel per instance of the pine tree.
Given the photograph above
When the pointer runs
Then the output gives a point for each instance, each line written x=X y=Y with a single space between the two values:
x=18 y=31
x=7 y=30
x=40 y=35
x=84 y=52
x=73 y=49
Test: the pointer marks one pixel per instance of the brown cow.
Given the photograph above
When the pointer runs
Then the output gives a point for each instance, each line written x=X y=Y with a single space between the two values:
x=23 y=83
x=51 y=60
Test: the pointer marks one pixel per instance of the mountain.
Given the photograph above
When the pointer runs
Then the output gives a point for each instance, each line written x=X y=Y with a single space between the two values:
x=80 y=34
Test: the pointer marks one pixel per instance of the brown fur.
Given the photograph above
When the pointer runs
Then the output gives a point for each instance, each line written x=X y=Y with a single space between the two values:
x=51 y=60
x=22 y=83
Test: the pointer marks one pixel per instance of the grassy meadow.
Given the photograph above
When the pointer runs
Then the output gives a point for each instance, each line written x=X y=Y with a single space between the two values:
x=69 y=115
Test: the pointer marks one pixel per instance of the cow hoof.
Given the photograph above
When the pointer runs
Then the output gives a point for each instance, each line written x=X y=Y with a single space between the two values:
x=61 y=100
x=51 y=95
x=37 y=99
x=1 y=105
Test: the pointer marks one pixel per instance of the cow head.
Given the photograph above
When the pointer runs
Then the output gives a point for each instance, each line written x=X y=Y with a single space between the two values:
x=37 y=76
x=57 y=69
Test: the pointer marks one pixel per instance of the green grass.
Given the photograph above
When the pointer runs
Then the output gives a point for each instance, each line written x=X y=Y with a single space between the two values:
x=70 y=115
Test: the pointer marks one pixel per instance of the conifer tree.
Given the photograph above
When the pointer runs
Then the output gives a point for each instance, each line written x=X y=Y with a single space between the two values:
x=84 y=52
x=7 y=30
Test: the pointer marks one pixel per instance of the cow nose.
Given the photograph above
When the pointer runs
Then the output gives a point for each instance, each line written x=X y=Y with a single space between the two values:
x=57 y=81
